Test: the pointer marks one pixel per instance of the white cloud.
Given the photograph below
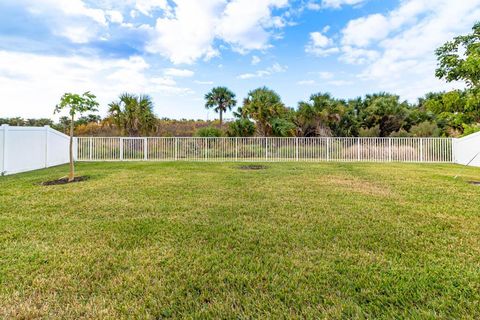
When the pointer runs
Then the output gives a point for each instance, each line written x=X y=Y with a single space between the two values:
x=340 y=83
x=184 y=30
x=405 y=60
x=366 y=30
x=325 y=75
x=354 y=55
x=307 y=83
x=317 y=5
x=115 y=16
x=319 y=40
x=362 y=31
x=180 y=73
x=255 y=60
x=164 y=81
x=73 y=19
x=188 y=34
x=46 y=78
x=205 y=83
x=245 y=26
x=147 y=6
x=77 y=34
x=320 y=45
x=276 y=68
x=339 y=3
x=79 y=8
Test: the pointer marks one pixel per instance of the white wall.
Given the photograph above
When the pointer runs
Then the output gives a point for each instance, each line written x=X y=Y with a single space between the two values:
x=58 y=145
x=1 y=149
x=467 y=150
x=31 y=148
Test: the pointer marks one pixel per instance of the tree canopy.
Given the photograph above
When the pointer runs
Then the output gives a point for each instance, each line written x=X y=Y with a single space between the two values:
x=459 y=59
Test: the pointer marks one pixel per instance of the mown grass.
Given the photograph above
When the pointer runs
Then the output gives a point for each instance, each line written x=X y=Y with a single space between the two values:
x=207 y=240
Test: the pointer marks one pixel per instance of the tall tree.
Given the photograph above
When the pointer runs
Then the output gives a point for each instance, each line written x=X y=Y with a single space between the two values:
x=263 y=106
x=76 y=104
x=133 y=114
x=220 y=99
x=385 y=111
x=321 y=115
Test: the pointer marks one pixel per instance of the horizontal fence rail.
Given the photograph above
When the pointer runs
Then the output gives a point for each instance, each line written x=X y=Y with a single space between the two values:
x=428 y=150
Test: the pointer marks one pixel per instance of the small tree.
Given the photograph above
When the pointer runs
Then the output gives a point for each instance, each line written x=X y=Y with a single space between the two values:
x=221 y=99
x=76 y=104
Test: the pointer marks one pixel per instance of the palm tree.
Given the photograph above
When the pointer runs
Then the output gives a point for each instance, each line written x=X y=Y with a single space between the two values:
x=133 y=114
x=263 y=105
x=220 y=99
x=320 y=114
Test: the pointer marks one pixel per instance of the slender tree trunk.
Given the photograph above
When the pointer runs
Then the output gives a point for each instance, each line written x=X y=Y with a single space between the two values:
x=221 y=118
x=71 y=175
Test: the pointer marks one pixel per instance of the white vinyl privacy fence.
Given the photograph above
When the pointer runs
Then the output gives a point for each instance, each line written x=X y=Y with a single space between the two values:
x=428 y=150
x=467 y=150
x=30 y=148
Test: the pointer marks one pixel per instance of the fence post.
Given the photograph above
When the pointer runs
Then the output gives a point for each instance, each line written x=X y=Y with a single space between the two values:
x=328 y=149
x=236 y=149
x=266 y=149
x=145 y=149
x=421 y=149
x=5 y=144
x=90 y=146
x=121 y=148
x=390 y=149
x=296 y=149
x=46 y=146
x=176 y=147
x=205 y=152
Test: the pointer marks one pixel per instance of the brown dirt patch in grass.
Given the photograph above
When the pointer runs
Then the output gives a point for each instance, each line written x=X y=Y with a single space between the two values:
x=359 y=186
x=253 y=167
x=64 y=181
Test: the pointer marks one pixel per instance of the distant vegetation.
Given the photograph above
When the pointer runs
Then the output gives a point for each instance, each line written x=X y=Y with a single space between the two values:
x=262 y=113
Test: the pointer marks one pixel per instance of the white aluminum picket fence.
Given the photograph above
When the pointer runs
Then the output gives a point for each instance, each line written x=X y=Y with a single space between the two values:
x=428 y=150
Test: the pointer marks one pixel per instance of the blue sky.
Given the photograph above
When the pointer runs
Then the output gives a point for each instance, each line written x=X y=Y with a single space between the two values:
x=177 y=50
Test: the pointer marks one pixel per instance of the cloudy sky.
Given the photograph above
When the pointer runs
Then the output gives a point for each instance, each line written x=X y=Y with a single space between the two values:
x=176 y=50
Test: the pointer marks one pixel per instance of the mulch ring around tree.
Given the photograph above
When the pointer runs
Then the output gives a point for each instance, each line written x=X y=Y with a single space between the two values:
x=253 y=167
x=64 y=181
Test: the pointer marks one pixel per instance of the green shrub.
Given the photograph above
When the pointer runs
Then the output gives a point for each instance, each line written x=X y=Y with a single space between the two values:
x=469 y=129
x=207 y=132
x=400 y=134
x=369 y=132
x=241 y=128
x=283 y=127
x=426 y=129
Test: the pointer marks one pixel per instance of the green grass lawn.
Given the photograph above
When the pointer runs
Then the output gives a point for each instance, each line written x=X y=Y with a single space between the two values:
x=207 y=240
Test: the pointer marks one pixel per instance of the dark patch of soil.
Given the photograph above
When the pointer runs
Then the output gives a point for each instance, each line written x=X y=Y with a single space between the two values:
x=253 y=167
x=475 y=183
x=64 y=181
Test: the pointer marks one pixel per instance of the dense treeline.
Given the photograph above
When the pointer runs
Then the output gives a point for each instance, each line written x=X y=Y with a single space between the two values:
x=104 y=127
x=262 y=112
